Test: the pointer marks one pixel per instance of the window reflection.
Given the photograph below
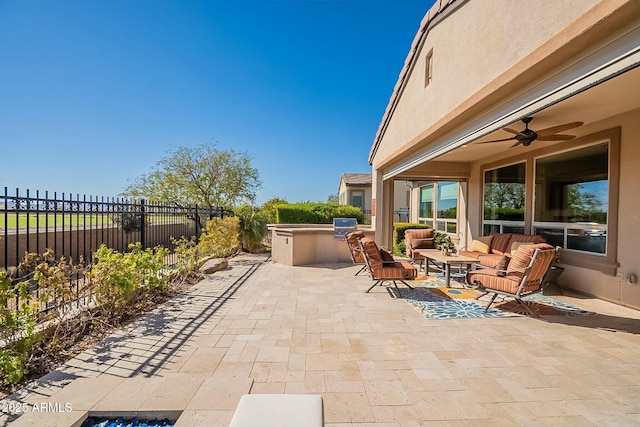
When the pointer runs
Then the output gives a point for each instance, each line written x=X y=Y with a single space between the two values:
x=571 y=198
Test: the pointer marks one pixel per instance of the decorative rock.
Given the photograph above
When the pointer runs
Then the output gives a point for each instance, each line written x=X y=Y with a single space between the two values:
x=213 y=265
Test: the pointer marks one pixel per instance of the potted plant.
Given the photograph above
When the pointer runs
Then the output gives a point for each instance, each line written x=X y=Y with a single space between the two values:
x=443 y=242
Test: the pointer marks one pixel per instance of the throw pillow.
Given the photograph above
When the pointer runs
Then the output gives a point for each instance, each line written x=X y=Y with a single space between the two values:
x=516 y=245
x=386 y=256
x=423 y=243
x=503 y=263
x=481 y=244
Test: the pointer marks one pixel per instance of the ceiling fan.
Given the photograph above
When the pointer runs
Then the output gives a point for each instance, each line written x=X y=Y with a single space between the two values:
x=527 y=136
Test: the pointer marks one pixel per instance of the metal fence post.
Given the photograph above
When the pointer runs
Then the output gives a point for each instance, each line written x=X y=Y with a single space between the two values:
x=197 y=219
x=143 y=224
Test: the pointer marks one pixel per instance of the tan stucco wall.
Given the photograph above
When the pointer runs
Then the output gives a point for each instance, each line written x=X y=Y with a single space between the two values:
x=477 y=28
x=401 y=195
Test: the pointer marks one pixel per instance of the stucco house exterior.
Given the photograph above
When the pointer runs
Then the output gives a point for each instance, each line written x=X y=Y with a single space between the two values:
x=476 y=68
x=355 y=190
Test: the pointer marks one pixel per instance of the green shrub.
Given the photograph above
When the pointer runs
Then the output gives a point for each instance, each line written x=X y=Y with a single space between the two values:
x=252 y=227
x=505 y=214
x=124 y=280
x=400 y=249
x=17 y=330
x=316 y=213
x=296 y=214
x=220 y=237
x=187 y=256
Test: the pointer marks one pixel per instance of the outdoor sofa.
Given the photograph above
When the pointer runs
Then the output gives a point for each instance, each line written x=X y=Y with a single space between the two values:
x=495 y=250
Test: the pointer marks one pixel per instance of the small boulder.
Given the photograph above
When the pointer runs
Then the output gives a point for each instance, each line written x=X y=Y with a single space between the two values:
x=213 y=265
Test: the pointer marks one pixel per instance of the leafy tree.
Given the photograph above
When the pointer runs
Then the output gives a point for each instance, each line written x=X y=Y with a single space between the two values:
x=201 y=175
x=504 y=195
x=584 y=205
x=333 y=199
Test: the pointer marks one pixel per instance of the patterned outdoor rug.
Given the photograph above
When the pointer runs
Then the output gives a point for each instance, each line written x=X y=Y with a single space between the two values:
x=435 y=301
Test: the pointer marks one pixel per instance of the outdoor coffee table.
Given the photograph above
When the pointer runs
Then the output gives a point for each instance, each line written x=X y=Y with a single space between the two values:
x=444 y=262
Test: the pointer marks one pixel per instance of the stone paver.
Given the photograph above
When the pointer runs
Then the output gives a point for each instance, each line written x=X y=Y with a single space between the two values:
x=261 y=327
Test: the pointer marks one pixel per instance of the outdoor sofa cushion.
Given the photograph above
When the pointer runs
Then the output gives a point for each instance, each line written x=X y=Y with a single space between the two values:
x=500 y=245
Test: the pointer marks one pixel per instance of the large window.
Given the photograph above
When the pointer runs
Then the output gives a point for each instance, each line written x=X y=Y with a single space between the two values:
x=571 y=199
x=504 y=191
x=426 y=203
x=439 y=206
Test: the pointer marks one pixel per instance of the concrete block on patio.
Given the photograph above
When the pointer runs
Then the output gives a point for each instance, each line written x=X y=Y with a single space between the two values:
x=279 y=410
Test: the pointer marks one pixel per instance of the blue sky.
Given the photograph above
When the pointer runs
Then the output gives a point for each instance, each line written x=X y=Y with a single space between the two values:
x=94 y=93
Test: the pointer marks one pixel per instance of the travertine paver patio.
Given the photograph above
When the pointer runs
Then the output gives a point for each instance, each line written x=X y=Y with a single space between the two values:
x=261 y=327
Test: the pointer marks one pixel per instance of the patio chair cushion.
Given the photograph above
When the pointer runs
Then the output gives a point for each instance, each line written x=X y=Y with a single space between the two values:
x=516 y=245
x=387 y=269
x=419 y=233
x=428 y=243
x=386 y=256
x=489 y=278
x=354 y=246
x=486 y=260
x=398 y=270
x=521 y=259
x=373 y=252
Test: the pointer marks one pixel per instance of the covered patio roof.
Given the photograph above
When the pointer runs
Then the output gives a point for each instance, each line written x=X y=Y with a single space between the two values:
x=608 y=99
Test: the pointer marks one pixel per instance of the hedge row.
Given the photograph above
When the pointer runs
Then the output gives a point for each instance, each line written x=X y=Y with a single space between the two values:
x=315 y=213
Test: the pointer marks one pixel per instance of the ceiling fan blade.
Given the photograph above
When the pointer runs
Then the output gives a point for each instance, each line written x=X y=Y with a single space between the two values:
x=559 y=128
x=516 y=144
x=497 y=140
x=556 y=137
x=512 y=131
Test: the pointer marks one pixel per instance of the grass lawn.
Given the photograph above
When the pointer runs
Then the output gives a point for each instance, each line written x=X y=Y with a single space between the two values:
x=13 y=221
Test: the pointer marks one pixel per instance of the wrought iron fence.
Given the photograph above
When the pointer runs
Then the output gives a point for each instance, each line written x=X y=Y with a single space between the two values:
x=74 y=227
